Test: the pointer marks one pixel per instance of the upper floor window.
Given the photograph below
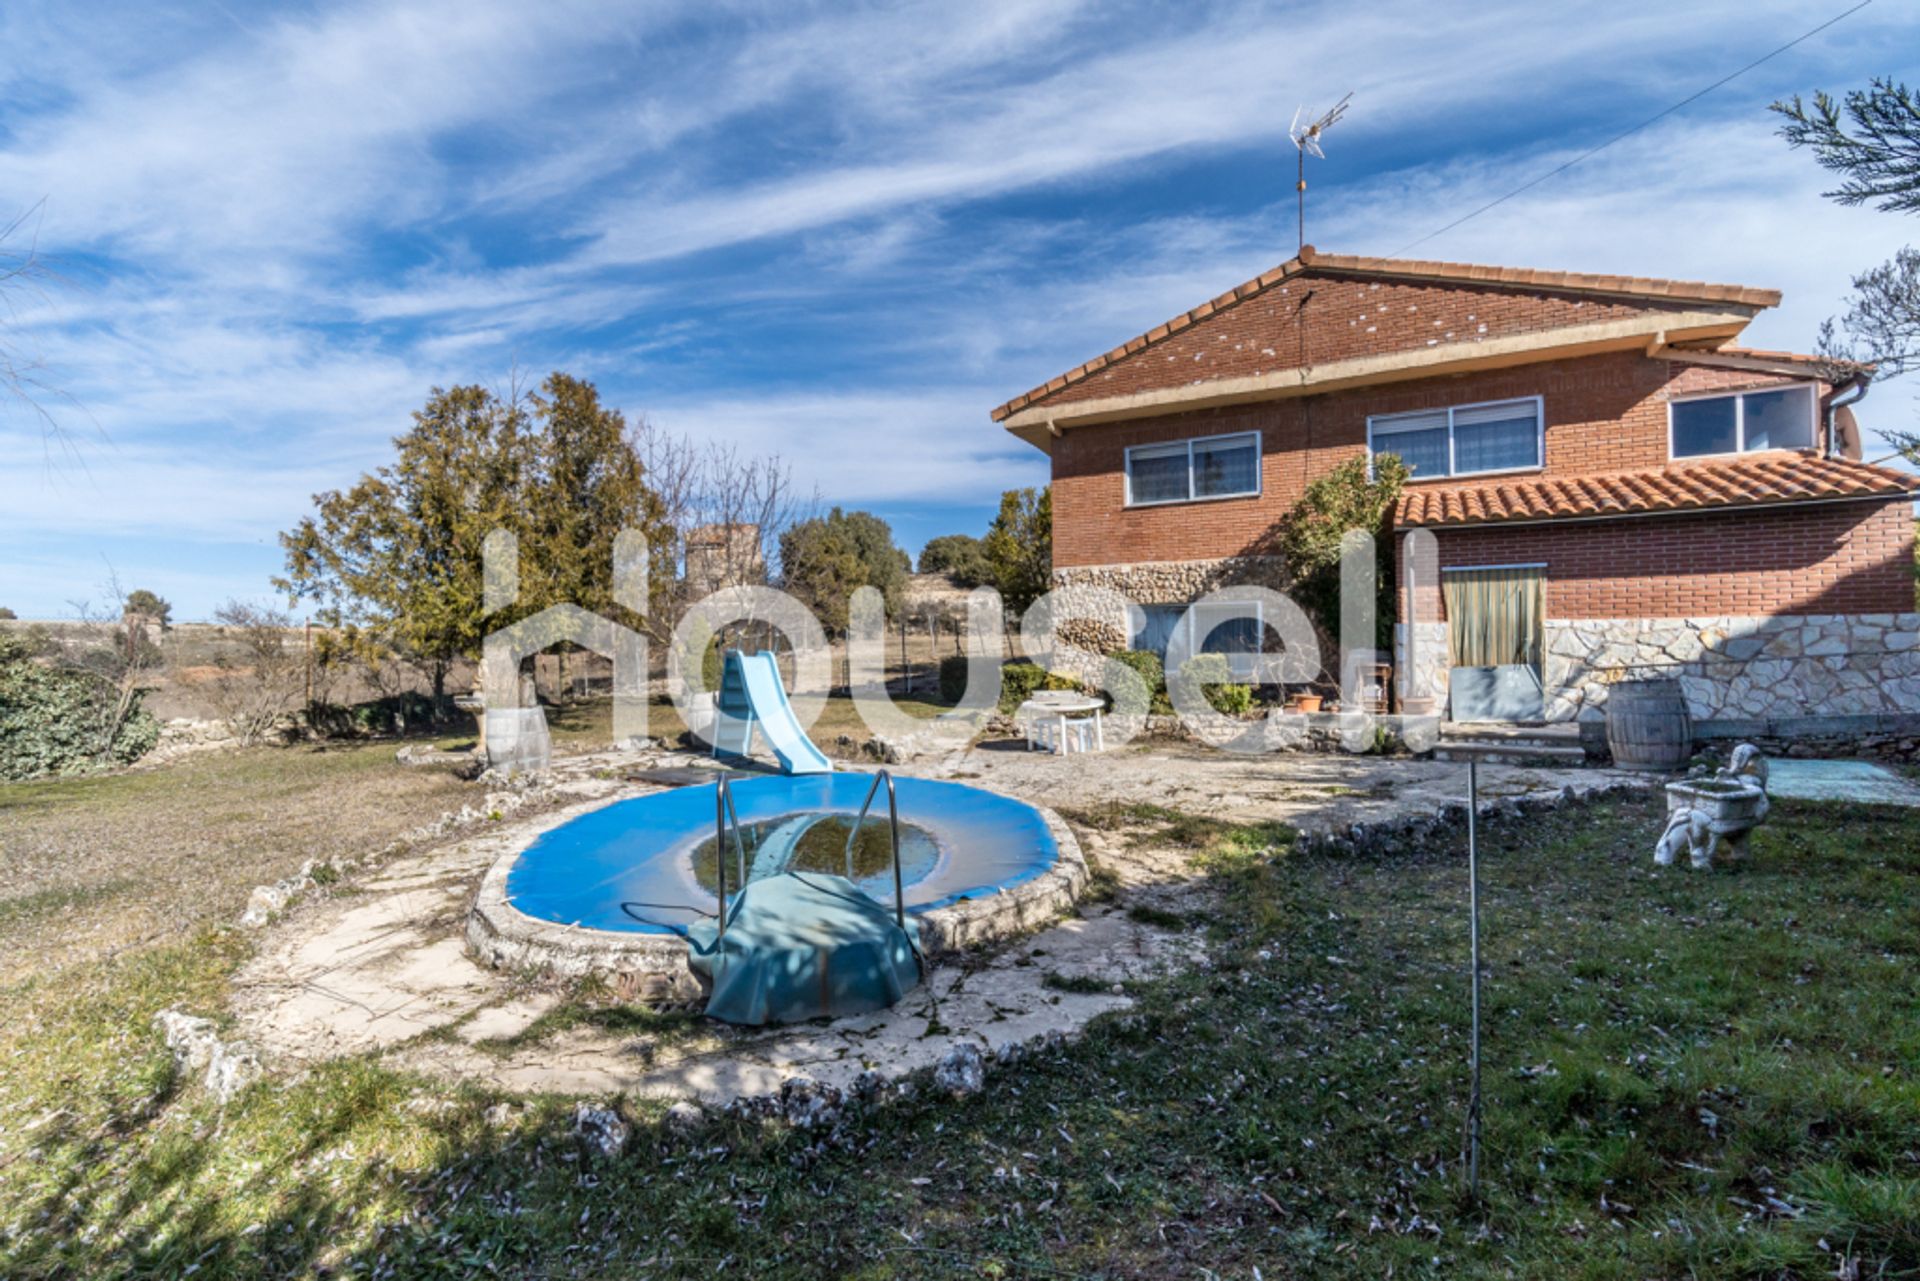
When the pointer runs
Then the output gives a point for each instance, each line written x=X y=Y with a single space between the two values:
x=1779 y=418
x=1184 y=470
x=1504 y=435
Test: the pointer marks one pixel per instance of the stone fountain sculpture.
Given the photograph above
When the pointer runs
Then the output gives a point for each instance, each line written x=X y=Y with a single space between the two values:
x=1708 y=816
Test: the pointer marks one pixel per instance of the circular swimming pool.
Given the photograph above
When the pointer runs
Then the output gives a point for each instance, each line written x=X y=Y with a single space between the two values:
x=615 y=888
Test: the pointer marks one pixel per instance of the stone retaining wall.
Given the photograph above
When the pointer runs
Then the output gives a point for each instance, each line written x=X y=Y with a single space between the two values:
x=1790 y=667
x=1781 y=678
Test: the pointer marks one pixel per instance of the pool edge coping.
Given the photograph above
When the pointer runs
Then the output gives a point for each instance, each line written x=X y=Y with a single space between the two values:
x=503 y=937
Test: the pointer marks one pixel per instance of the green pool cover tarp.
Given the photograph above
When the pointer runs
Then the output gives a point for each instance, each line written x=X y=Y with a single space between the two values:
x=803 y=945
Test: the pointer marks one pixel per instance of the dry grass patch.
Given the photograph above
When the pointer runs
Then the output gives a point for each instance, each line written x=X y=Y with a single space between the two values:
x=91 y=865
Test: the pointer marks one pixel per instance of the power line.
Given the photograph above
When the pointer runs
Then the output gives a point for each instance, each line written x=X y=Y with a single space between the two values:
x=1690 y=99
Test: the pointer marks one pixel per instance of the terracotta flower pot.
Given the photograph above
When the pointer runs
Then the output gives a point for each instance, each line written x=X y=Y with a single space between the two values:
x=1306 y=702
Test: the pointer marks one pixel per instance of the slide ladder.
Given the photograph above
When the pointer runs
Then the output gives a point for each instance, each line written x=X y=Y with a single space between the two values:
x=751 y=695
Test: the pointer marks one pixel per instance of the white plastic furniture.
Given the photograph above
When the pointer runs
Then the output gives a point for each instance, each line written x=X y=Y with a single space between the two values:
x=1062 y=721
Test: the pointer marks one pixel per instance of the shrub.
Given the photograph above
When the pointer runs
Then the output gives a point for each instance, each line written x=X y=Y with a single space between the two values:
x=1211 y=677
x=953 y=678
x=1018 y=681
x=389 y=715
x=7 y=615
x=1355 y=495
x=53 y=720
x=1152 y=673
x=257 y=685
x=1231 y=700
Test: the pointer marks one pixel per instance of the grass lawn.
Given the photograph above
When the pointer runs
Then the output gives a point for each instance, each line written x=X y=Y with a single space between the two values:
x=1686 y=1075
x=92 y=865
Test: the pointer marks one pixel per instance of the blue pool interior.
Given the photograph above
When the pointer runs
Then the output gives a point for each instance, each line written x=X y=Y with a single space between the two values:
x=630 y=866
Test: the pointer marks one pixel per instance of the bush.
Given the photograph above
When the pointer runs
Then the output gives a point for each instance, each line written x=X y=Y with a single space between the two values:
x=1153 y=674
x=953 y=678
x=389 y=715
x=1018 y=681
x=7 y=615
x=54 y=720
x=1214 y=681
x=264 y=681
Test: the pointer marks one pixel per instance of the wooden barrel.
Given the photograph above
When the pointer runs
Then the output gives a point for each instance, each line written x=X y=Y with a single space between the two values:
x=1648 y=726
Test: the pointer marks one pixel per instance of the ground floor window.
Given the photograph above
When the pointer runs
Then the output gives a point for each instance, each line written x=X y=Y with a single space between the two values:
x=1219 y=628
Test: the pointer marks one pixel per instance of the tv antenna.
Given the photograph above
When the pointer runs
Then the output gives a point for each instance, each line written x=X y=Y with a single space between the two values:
x=1306 y=138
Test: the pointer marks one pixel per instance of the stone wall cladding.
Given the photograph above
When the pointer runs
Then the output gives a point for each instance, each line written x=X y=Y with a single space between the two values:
x=1604 y=412
x=1779 y=668
x=1175 y=582
x=1426 y=675
x=1099 y=595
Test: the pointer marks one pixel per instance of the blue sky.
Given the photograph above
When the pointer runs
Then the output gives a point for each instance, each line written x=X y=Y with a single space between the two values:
x=841 y=233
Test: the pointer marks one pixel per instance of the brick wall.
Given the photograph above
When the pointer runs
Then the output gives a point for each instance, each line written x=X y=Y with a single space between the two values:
x=1839 y=558
x=1603 y=413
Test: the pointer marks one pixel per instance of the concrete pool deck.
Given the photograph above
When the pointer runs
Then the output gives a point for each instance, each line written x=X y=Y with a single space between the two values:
x=383 y=967
x=1861 y=782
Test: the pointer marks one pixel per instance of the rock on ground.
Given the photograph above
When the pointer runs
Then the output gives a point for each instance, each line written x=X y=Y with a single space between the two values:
x=961 y=1070
x=603 y=1130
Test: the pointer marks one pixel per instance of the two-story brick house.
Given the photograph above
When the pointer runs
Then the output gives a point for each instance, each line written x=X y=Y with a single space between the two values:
x=1612 y=487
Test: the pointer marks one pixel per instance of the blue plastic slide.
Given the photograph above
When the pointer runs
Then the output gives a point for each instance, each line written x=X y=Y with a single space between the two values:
x=804 y=945
x=751 y=694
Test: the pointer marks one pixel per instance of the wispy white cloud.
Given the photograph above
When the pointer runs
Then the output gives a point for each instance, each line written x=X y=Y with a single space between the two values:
x=819 y=230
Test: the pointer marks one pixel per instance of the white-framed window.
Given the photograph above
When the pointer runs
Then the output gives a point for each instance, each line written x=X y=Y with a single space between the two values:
x=1186 y=471
x=1742 y=422
x=1464 y=440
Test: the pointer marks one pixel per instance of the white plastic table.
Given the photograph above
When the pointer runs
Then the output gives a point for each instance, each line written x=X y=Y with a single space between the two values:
x=1059 y=710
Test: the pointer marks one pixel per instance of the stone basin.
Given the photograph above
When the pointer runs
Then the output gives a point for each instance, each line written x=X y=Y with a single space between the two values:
x=1732 y=806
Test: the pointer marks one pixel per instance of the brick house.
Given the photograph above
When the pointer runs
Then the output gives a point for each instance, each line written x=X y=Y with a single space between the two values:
x=1612 y=487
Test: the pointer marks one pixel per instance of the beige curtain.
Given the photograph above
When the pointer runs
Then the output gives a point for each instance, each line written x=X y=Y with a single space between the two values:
x=1493 y=616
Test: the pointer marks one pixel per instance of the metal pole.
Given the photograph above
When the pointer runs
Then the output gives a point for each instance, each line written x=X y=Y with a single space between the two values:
x=1473 y=934
x=720 y=847
x=899 y=892
x=1300 y=195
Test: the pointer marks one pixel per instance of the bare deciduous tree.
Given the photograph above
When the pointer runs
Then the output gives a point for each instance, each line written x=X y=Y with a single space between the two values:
x=23 y=271
x=726 y=509
x=261 y=669
x=119 y=650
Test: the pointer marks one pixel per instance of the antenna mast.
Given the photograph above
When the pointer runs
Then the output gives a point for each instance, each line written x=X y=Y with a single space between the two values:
x=1307 y=139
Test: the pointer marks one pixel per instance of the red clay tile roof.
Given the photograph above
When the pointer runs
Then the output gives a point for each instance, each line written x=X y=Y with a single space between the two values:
x=1761 y=479
x=1312 y=262
x=1815 y=363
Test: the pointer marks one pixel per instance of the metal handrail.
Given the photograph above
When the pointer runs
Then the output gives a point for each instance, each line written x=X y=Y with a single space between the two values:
x=723 y=810
x=893 y=820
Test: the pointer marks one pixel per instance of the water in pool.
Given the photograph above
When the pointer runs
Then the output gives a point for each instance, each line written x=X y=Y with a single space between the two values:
x=647 y=864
